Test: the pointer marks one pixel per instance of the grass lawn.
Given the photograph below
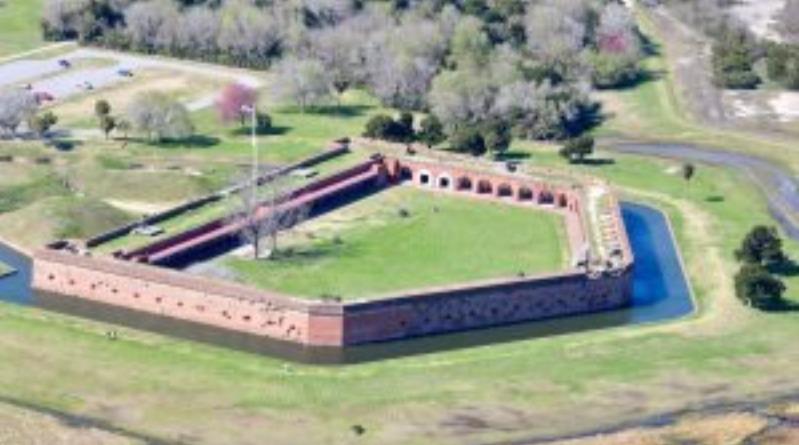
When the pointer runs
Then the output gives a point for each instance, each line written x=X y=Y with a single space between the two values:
x=170 y=388
x=368 y=248
x=19 y=26
x=294 y=135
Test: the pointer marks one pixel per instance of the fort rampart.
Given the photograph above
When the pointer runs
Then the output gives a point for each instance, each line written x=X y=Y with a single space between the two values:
x=232 y=306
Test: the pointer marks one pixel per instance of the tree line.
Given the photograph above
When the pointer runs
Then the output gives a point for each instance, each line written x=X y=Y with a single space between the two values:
x=517 y=66
x=736 y=52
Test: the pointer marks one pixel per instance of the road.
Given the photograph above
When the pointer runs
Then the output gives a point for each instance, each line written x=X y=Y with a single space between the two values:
x=778 y=185
x=47 y=75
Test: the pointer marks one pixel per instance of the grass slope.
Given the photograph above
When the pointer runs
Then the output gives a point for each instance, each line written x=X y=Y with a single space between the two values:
x=19 y=26
x=445 y=240
x=176 y=389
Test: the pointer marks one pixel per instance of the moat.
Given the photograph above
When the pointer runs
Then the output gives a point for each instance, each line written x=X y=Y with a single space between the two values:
x=661 y=293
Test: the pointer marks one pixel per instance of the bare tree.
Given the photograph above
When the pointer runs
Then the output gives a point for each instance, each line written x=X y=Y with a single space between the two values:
x=159 y=117
x=16 y=106
x=789 y=20
x=304 y=82
x=198 y=31
x=151 y=24
x=264 y=211
x=248 y=32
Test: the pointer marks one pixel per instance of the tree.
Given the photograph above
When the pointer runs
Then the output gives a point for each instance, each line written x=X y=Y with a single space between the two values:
x=576 y=149
x=497 y=136
x=761 y=246
x=384 y=127
x=758 y=288
x=263 y=122
x=304 y=82
x=159 y=117
x=107 y=125
x=102 y=108
x=468 y=140
x=733 y=60
x=41 y=124
x=688 y=171
x=265 y=210
x=16 y=106
x=231 y=103
x=431 y=131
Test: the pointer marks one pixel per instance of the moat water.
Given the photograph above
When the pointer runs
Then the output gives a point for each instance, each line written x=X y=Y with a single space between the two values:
x=661 y=293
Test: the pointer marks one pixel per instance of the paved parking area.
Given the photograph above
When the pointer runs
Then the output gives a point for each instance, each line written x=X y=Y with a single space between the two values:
x=47 y=75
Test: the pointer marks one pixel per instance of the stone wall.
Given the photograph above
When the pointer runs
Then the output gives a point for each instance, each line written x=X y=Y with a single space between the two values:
x=240 y=308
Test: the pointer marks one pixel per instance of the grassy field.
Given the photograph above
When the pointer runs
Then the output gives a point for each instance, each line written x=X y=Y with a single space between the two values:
x=19 y=22
x=173 y=389
x=367 y=248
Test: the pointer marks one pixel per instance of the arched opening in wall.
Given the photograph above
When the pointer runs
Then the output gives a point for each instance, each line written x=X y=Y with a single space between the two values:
x=464 y=183
x=546 y=197
x=484 y=186
x=525 y=194
x=444 y=182
x=563 y=201
x=425 y=178
x=406 y=174
x=504 y=191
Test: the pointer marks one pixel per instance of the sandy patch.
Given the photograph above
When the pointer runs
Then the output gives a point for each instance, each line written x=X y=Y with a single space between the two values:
x=144 y=208
x=786 y=106
x=760 y=16
x=717 y=430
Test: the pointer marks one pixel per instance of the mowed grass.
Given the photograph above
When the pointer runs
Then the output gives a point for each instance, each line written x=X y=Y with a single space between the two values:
x=295 y=134
x=368 y=248
x=20 y=28
x=176 y=388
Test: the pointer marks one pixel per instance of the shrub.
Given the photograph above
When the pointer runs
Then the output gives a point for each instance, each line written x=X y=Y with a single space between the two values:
x=468 y=140
x=758 y=288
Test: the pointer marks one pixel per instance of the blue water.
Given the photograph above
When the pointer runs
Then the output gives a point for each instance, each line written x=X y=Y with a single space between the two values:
x=660 y=288
x=16 y=288
x=660 y=293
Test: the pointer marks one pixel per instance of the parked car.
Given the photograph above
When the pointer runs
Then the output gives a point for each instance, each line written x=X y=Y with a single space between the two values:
x=124 y=72
x=64 y=63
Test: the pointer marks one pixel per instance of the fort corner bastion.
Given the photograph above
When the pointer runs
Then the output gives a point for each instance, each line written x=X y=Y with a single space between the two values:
x=598 y=278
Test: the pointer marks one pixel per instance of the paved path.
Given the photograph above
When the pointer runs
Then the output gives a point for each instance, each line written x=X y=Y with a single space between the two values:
x=47 y=75
x=779 y=186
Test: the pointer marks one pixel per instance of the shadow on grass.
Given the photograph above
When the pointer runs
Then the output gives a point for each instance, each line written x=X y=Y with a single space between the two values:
x=271 y=131
x=513 y=156
x=332 y=110
x=193 y=141
x=715 y=199
x=788 y=269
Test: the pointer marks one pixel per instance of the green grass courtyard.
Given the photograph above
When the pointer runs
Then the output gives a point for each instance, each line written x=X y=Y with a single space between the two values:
x=367 y=248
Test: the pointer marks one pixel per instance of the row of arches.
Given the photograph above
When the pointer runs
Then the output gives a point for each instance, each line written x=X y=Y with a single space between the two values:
x=482 y=186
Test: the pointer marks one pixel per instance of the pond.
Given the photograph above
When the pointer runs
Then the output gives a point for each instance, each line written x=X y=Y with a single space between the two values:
x=661 y=293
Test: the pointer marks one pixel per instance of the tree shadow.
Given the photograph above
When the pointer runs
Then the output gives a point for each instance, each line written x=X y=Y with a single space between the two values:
x=513 y=155
x=65 y=145
x=193 y=141
x=271 y=131
x=597 y=162
x=788 y=269
x=347 y=111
